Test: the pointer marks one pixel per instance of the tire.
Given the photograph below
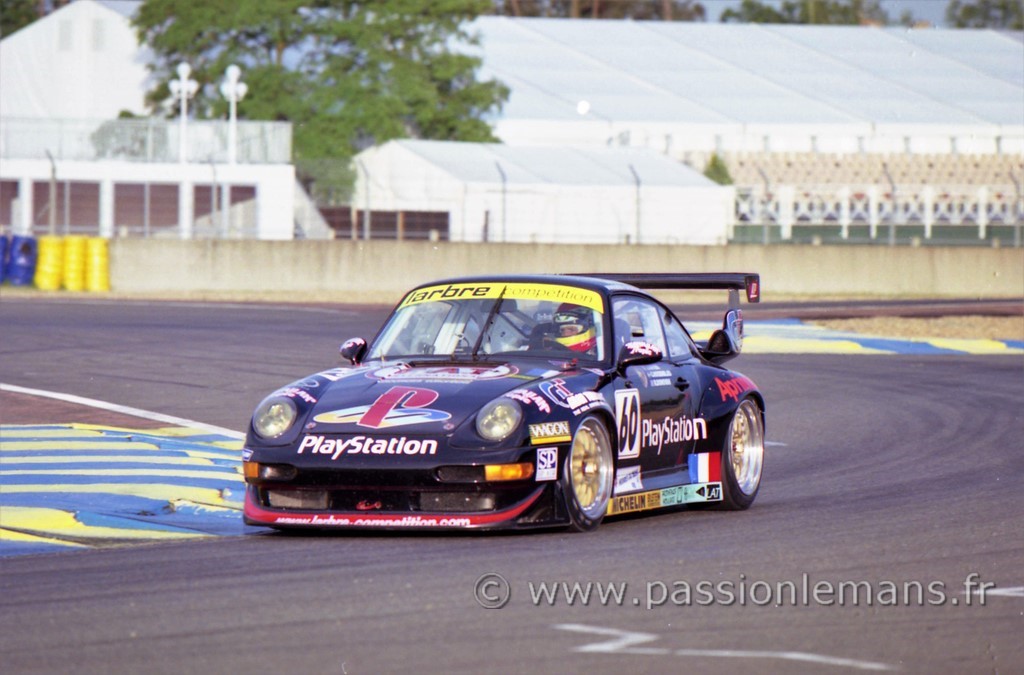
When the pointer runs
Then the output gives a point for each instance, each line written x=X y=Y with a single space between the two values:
x=588 y=477
x=743 y=456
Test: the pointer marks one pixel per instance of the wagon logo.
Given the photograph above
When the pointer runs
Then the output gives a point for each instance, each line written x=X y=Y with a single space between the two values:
x=397 y=407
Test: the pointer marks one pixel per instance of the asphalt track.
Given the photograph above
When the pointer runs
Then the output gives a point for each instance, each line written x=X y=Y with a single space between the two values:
x=891 y=479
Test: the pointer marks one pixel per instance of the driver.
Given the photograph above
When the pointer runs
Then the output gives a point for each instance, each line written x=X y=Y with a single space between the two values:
x=574 y=328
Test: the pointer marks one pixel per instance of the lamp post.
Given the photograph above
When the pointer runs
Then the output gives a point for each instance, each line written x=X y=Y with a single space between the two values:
x=234 y=91
x=183 y=89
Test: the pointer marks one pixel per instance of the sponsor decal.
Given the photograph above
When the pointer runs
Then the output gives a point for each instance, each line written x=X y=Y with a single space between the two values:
x=404 y=371
x=511 y=291
x=365 y=445
x=705 y=467
x=627 y=419
x=529 y=397
x=640 y=348
x=579 y=402
x=638 y=502
x=295 y=392
x=246 y=454
x=550 y=432
x=374 y=520
x=654 y=376
x=367 y=505
x=556 y=391
x=753 y=291
x=547 y=464
x=672 y=496
x=734 y=388
x=584 y=401
x=627 y=479
x=397 y=407
x=335 y=374
x=671 y=430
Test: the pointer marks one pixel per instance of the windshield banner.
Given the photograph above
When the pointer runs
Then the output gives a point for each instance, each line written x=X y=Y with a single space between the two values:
x=512 y=291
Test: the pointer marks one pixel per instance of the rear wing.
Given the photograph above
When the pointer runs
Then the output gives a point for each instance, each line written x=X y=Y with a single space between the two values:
x=733 y=282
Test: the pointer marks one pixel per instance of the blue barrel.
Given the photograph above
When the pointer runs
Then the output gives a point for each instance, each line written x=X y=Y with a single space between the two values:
x=21 y=265
x=3 y=257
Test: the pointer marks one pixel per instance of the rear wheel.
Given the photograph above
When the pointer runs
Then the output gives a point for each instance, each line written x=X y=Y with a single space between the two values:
x=589 y=475
x=743 y=456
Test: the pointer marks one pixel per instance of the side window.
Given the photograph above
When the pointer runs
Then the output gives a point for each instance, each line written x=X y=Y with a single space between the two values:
x=637 y=319
x=675 y=335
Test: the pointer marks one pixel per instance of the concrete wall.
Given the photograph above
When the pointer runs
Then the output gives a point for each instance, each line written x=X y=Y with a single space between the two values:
x=380 y=271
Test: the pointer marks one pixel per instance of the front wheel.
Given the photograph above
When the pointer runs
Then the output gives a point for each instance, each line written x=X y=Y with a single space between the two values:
x=743 y=457
x=589 y=475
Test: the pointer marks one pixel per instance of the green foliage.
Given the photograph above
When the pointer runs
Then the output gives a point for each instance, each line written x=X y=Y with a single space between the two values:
x=639 y=10
x=16 y=14
x=717 y=170
x=347 y=74
x=833 y=12
x=1005 y=14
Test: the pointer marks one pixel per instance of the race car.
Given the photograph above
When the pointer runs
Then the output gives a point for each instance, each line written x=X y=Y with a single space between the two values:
x=515 y=402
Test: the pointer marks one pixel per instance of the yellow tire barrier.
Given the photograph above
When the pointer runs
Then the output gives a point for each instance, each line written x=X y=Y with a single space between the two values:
x=50 y=265
x=74 y=263
x=97 y=265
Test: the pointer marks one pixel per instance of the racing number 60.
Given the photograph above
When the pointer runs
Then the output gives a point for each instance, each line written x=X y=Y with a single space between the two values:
x=627 y=418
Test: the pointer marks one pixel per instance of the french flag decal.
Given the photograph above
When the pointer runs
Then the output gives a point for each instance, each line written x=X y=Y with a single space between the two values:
x=705 y=467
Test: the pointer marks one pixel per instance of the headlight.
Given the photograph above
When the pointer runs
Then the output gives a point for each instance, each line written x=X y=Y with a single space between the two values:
x=498 y=419
x=274 y=416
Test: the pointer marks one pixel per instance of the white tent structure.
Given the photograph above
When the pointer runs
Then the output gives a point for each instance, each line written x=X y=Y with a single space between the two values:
x=81 y=62
x=504 y=193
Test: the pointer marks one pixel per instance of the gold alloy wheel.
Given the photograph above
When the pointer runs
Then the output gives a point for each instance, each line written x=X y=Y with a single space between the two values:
x=746 y=447
x=590 y=467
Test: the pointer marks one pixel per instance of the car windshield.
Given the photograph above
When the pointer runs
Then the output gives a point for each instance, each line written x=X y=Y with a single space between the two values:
x=477 y=319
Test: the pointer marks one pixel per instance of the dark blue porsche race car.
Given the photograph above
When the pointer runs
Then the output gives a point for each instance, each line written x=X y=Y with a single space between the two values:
x=515 y=402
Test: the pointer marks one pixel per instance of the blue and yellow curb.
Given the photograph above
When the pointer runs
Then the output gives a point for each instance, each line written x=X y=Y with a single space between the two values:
x=69 y=486
x=792 y=336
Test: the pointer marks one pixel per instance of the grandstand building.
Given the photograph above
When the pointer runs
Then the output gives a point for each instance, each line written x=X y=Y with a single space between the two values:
x=828 y=133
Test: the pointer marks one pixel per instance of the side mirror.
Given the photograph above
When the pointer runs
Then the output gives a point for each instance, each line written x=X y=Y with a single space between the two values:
x=638 y=354
x=353 y=350
x=726 y=342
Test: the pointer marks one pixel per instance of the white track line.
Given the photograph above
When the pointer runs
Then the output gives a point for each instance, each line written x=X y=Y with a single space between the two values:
x=624 y=642
x=124 y=410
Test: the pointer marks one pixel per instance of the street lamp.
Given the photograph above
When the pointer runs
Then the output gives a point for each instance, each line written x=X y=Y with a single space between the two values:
x=234 y=91
x=183 y=89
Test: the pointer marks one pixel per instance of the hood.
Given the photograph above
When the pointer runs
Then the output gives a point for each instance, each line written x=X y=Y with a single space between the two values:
x=427 y=398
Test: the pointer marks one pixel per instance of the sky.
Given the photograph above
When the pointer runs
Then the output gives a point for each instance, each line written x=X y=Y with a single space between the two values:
x=933 y=11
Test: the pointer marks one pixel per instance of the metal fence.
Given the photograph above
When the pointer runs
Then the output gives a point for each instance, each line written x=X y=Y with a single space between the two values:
x=957 y=214
x=143 y=140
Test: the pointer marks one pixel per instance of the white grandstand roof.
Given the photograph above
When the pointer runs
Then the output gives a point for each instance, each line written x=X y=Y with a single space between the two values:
x=754 y=74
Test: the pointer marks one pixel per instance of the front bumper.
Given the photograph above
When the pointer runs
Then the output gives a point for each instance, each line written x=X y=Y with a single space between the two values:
x=314 y=492
x=537 y=509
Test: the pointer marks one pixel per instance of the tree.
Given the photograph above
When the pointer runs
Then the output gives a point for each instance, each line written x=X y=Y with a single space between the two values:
x=1006 y=14
x=835 y=12
x=717 y=170
x=640 y=10
x=16 y=14
x=348 y=74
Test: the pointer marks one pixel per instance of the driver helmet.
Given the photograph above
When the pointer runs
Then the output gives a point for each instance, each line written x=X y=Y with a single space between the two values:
x=574 y=328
